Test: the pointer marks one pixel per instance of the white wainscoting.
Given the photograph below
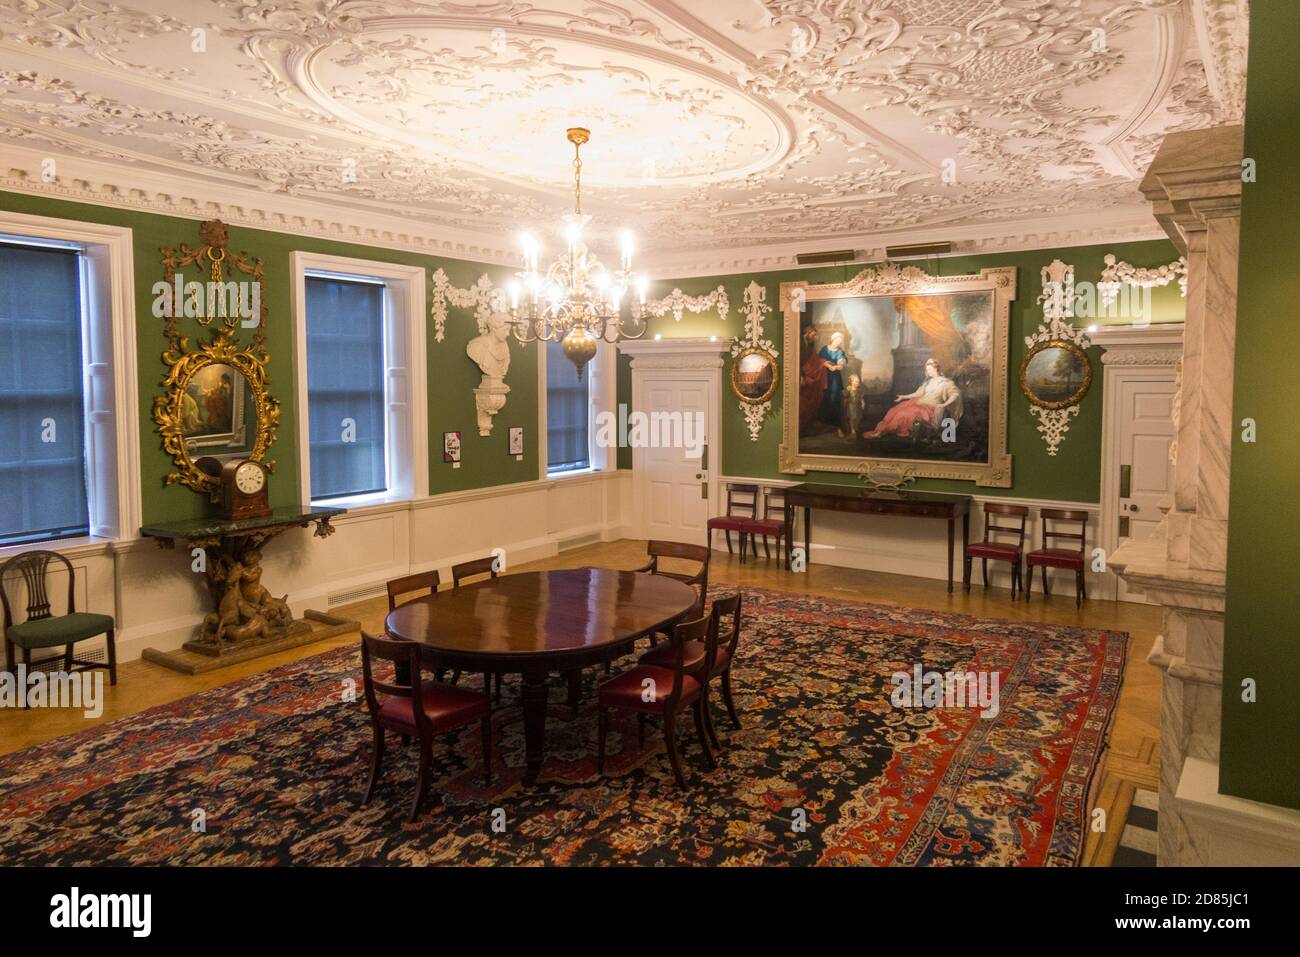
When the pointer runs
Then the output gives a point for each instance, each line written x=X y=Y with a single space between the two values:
x=903 y=545
x=157 y=600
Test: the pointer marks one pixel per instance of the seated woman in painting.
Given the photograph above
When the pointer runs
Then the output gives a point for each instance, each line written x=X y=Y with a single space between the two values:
x=833 y=359
x=936 y=399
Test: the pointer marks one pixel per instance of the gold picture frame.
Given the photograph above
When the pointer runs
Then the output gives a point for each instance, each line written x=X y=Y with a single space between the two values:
x=223 y=427
x=754 y=387
x=1072 y=394
x=990 y=464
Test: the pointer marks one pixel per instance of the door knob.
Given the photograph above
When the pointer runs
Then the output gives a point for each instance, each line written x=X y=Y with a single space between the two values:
x=699 y=475
x=1133 y=508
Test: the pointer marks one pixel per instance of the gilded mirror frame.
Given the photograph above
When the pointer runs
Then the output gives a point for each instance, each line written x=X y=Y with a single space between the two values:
x=1073 y=349
x=184 y=360
x=735 y=367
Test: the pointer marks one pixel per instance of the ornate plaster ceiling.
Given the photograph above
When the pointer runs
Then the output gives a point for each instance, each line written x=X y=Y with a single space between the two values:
x=719 y=125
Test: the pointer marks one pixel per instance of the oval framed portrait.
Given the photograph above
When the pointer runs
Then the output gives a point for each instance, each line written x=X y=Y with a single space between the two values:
x=754 y=375
x=1055 y=374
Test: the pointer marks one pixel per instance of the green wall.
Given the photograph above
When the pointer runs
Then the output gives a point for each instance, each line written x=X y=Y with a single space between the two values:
x=1073 y=474
x=1260 y=754
x=451 y=373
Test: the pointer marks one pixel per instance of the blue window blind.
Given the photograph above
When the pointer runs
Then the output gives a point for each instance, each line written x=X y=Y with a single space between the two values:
x=42 y=411
x=345 y=387
x=567 y=405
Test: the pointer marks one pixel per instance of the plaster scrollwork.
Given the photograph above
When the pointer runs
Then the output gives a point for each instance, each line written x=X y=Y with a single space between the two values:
x=1057 y=300
x=484 y=298
x=756 y=310
x=678 y=302
x=1118 y=273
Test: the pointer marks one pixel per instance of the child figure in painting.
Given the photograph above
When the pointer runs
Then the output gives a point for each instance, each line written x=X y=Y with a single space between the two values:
x=853 y=402
x=936 y=399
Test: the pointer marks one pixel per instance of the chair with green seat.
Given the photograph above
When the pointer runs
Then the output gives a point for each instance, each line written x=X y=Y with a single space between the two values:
x=43 y=629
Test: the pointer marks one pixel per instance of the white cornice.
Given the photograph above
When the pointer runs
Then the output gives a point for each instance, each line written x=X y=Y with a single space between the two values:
x=82 y=179
x=1119 y=225
x=85 y=180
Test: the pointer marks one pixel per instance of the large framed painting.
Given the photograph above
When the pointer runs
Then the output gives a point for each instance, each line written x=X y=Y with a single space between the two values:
x=899 y=371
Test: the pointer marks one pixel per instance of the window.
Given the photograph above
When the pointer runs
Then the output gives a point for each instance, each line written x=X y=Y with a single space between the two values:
x=568 y=413
x=345 y=387
x=359 y=375
x=42 y=396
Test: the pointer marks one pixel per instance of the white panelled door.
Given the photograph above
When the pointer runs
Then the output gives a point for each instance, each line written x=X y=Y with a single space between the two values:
x=675 y=381
x=1146 y=430
x=674 y=483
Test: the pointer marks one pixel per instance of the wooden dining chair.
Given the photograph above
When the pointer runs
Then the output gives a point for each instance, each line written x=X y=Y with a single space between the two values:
x=710 y=659
x=1067 y=558
x=418 y=582
x=742 y=510
x=460 y=575
x=772 y=523
x=408 y=584
x=42 y=628
x=420 y=710
x=651 y=690
x=657 y=551
x=990 y=549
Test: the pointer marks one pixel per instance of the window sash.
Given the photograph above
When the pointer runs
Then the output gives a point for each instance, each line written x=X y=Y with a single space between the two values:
x=42 y=377
x=345 y=381
x=568 y=414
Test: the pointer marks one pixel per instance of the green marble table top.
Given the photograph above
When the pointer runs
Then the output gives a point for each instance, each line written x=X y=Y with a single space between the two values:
x=283 y=517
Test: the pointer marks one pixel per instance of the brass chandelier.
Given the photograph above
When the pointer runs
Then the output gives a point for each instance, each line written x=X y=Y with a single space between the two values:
x=577 y=302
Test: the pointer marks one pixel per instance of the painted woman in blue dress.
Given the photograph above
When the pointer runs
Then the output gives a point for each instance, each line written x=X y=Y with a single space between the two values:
x=834 y=359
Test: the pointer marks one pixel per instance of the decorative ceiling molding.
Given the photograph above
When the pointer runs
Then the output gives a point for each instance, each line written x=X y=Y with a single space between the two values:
x=737 y=131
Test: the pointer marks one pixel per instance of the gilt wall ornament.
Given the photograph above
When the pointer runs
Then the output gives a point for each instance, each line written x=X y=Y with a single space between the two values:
x=215 y=399
x=754 y=371
x=1055 y=374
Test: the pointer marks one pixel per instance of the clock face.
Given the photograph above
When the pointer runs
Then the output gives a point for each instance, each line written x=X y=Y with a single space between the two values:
x=249 y=478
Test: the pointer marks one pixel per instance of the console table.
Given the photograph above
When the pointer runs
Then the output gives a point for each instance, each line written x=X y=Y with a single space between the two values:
x=247 y=621
x=846 y=498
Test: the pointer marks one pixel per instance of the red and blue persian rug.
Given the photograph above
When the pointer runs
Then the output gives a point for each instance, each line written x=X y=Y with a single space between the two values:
x=826 y=770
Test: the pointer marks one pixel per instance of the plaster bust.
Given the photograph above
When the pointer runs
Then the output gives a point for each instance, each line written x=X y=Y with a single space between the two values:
x=491 y=350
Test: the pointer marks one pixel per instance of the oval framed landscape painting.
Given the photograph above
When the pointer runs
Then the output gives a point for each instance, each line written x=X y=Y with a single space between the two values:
x=754 y=375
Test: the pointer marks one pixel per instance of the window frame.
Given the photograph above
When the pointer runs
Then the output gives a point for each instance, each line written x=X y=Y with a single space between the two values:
x=406 y=428
x=110 y=379
x=602 y=370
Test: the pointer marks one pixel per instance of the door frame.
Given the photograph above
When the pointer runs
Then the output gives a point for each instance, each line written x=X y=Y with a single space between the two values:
x=1131 y=353
x=677 y=360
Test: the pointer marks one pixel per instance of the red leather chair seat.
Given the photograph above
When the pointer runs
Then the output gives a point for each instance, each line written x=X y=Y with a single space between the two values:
x=767 y=526
x=1056 y=558
x=731 y=523
x=446 y=705
x=625 y=690
x=662 y=656
x=998 y=550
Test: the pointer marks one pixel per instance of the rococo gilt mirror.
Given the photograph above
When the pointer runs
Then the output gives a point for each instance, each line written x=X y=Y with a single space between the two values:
x=215 y=406
x=1055 y=374
x=754 y=375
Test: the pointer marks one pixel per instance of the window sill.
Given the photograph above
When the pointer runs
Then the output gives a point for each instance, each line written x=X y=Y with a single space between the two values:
x=355 y=503
x=573 y=473
x=68 y=547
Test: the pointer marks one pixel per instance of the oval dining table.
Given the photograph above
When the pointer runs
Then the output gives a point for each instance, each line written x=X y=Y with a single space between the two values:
x=535 y=624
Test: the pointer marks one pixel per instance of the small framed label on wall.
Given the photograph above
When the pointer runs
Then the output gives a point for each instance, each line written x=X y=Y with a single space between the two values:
x=451 y=448
x=517 y=443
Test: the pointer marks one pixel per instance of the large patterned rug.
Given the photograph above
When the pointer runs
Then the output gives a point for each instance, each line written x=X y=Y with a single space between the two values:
x=826 y=770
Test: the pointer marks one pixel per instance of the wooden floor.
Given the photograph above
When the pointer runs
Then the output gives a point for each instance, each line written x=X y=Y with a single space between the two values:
x=1131 y=760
